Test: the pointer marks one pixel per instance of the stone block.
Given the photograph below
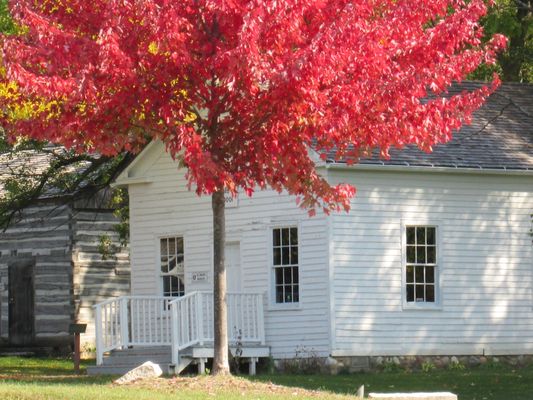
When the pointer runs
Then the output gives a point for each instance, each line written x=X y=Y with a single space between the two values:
x=146 y=370
x=413 y=396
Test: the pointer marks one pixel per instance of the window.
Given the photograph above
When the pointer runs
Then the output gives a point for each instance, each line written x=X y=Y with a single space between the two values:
x=421 y=264
x=285 y=265
x=172 y=270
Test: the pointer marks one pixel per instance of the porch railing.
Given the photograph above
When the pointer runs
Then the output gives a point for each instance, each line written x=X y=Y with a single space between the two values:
x=178 y=322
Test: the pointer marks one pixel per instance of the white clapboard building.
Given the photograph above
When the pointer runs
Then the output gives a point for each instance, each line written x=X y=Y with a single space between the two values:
x=434 y=258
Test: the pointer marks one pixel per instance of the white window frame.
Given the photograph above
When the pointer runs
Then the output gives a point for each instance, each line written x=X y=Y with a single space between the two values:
x=439 y=231
x=159 y=274
x=273 y=305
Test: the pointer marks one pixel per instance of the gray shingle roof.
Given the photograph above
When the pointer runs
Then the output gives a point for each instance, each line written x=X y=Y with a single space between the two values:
x=500 y=136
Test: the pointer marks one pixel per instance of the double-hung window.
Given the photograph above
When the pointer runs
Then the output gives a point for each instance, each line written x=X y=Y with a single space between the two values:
x=285 y=265
x=171 y=266
x=421 y=268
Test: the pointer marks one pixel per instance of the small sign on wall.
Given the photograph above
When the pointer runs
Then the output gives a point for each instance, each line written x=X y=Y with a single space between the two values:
x=199 y=277
x=230 y=201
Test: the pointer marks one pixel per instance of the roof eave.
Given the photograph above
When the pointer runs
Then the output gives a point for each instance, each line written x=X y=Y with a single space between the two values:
x=430 y=169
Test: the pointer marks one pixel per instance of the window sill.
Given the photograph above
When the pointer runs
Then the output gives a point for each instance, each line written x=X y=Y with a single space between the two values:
x=284 y=307
x=421 y=307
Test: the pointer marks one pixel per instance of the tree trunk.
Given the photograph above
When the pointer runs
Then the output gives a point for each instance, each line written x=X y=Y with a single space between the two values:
x=220 y=359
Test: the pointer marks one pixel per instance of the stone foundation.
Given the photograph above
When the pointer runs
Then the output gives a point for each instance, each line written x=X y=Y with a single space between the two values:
x=358 y=363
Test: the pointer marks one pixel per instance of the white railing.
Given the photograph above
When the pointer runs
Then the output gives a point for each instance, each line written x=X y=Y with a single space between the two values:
x=192 y=318
x=178 y=322
x=131 y=321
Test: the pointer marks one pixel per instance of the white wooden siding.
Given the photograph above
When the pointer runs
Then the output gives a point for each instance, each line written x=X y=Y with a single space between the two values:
x=486 y=255
x=166 y=207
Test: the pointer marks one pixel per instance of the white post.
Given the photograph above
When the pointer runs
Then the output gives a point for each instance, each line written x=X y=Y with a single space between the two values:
x=98 y=334
x=124 y=323
x=261 y=317
x=174 y=334
x=252 y=369
x=200 y=317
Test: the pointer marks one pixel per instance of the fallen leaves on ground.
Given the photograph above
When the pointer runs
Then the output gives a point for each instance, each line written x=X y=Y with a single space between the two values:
x=219 y=384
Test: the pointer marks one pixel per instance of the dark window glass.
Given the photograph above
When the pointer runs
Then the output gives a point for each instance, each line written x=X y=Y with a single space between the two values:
x=294 y=236
x=285 y=237
x=430 y=293
x=419 y=294
x=277 y=256
x=420 y=235
x=430 y=275
x=410 y=274
x=420 y=254
x=410 y=293
x=431 y=255
x=411 y=254
x=410 y=235
x=431 y=237
x=276 y=240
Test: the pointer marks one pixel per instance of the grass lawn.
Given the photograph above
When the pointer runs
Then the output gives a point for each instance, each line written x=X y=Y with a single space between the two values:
x=40 y=379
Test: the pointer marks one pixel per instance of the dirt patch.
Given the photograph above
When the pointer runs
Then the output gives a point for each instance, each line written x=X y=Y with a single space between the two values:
x=220 y=384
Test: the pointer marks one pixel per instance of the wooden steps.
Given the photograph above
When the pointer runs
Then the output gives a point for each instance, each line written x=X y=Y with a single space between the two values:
x=118 y=362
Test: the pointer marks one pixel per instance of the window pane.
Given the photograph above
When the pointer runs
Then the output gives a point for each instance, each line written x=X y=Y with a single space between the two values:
x=276 y=240
x=279 y=294
x=431 y=237
x=410 y=274
x=285 y=255
x=294 y=236
x=419 y=293
x=410 y=292
x=171 y=246
x=164 y=247
x=420 y=235
x=430 y=293
x=166 y=286
x=410 y=233
x=277 y=256
x=285 y=236
x=430 y=255
x=294 y=255
x=296 y=294
x=420 y=254
x=287 y=272
x=411 y=254
x=430 y=274
x=288 y=294
x=164 y=264
x=419 y=274
x=295 y=277
x=279 y=276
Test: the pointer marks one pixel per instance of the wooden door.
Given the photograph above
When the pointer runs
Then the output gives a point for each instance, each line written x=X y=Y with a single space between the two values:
x=21 y=302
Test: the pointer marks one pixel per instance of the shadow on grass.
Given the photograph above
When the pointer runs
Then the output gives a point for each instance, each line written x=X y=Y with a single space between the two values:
x=47 y=370
x=485 y=382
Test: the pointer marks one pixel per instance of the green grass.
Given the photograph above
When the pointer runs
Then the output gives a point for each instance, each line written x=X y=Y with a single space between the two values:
x=44 y=379
x=481 y=383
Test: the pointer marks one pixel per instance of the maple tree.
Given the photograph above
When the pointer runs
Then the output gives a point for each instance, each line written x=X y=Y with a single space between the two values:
x=240 y=90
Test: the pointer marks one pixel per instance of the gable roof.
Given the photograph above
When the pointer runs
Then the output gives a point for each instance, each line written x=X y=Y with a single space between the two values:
x=499 y=138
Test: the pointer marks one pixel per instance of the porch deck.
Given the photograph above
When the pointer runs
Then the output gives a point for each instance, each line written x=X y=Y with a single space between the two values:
x=174 y=332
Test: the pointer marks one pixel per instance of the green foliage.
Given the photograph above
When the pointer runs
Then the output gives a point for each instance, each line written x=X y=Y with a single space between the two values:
x=120 y=202
x=456 y=366
x=390 y=366
x=428 y=366
x=513 y=18
x=106 y=247
x=6 y=23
